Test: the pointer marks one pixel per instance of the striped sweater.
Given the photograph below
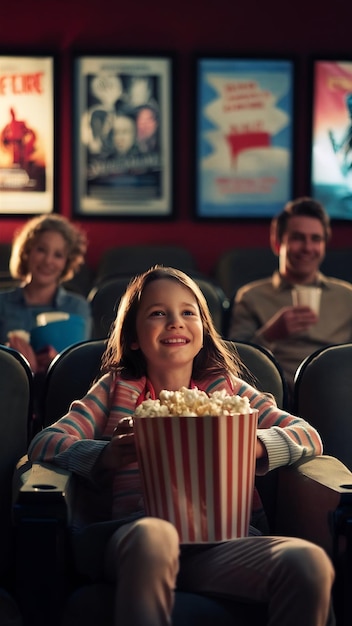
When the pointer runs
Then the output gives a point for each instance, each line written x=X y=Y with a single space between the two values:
x=77 y=439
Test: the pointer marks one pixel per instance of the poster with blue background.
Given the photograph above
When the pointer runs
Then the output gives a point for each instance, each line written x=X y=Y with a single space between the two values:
x=244 y=137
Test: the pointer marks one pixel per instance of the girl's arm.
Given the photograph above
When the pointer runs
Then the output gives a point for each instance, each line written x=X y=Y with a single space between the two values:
x=74 y=442
x=285 y=437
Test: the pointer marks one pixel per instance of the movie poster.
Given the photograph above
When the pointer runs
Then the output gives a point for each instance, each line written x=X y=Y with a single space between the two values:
x=244 y=137
x=332 y=137
x=123 y=136
x=26 y=135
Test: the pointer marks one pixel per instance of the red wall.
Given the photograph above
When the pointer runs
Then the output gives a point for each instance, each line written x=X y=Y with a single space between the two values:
x=184 y=28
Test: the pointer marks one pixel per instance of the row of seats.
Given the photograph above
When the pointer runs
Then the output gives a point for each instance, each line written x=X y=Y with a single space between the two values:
x=66 y=379
x=239 y=266
x=119 y=264
x=312 y=500
x=115 y=261
x=16 y=388
x=234 y=268
x=105 y=297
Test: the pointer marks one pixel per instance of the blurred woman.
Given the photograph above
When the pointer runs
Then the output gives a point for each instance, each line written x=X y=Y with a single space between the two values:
x=45 y=252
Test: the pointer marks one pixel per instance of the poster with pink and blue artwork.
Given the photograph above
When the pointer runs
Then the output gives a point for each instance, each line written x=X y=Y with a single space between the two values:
x=331 y=170
x=244 y=136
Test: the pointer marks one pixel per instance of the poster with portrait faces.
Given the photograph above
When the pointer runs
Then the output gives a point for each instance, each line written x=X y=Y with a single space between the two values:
x=26 y=135
x=244 y=136
x=123 y=136
x=331 y=171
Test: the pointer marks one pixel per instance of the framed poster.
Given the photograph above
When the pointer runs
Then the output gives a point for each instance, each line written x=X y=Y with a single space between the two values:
x=331 y=158
x=123 y=136
x=26 y=135
x=244 y=136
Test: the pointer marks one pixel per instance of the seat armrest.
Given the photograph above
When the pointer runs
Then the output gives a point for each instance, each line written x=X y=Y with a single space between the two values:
x=313 y=496
x=314 y=501
x=41 y=491
x=41 y=517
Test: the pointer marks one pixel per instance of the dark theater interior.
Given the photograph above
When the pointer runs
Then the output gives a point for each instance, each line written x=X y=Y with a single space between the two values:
x=198 y=194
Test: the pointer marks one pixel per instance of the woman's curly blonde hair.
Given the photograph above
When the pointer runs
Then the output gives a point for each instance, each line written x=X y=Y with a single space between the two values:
x=26 y=237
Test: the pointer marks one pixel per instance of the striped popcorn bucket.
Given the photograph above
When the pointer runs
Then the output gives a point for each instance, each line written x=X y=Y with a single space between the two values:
x=198 y=473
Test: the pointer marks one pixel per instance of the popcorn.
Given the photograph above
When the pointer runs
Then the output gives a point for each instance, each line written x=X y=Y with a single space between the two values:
x=192 y=403
x=198 y=473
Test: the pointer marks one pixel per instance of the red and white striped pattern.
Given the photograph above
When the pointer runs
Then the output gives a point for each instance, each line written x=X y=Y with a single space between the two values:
x=198 y=473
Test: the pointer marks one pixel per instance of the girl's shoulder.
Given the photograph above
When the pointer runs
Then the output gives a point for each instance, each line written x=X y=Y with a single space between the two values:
x=231 y=383
x=127 y=391
x=217 y=382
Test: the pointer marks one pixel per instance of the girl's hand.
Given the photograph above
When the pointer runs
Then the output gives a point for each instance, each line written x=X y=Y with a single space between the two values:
x=121 y=450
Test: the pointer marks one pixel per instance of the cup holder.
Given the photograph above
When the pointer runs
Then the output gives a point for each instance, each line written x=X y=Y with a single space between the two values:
x=45 y=487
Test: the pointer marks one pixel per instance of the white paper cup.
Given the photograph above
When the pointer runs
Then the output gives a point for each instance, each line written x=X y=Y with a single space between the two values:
x=304 y=295
x=198 y=473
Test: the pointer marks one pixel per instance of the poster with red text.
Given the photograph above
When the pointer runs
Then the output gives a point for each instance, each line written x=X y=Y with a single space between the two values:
x=26 y=135
x=331 y=175
x=243 y=137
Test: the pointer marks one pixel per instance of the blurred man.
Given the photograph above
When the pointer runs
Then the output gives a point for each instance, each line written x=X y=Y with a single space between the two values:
x=263 y=311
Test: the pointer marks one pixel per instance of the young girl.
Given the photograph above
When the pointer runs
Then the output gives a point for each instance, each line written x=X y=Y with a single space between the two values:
x=163 y=338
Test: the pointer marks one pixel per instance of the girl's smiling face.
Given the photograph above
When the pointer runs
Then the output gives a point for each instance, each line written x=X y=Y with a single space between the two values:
x=169 y=326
